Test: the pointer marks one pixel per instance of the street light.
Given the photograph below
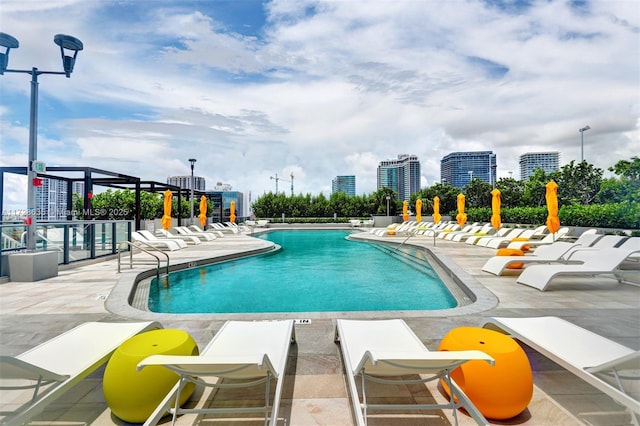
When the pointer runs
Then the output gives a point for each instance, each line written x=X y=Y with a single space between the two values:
x=68 y=46
x=192 y=161
x=388 y=198
x=584 y=129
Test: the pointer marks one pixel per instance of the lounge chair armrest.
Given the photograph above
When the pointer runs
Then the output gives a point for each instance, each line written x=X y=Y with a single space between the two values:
x=235 y=366
x=375 y=362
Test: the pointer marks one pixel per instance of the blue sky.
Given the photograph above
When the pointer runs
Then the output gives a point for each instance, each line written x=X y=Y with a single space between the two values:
x=319 y=88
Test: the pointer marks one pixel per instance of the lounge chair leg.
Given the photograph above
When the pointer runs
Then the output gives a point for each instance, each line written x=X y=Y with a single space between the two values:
x=364 y=399
x=175 y=409
x=36 y=390
x=266 y=401
x=453 y=401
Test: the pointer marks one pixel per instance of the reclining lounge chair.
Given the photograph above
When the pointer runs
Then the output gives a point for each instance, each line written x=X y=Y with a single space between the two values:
x=383 y=351
x=58 y=364
x=241 y=354
x=596 y=262
x=589 y=356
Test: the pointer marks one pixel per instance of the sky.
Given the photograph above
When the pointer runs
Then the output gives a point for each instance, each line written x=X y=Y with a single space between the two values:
x=254 y=89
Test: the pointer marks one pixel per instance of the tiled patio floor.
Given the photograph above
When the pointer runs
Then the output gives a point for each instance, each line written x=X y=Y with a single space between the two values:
x=315 y=390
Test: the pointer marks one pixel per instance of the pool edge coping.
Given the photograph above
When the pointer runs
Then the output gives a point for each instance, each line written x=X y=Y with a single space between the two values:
x=120 y=299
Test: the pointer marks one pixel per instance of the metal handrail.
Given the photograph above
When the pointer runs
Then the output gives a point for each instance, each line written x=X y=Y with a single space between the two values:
x=138 y=245
x=413 y=234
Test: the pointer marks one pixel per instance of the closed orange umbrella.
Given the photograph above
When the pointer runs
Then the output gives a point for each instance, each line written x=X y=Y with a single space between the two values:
x=166 y=219
x=461 y=217
x=203 y=211
x=232 y=209
x=418 y=210
x=495 y=208
x=405 y=210
x=553 y=221
x=436 y=210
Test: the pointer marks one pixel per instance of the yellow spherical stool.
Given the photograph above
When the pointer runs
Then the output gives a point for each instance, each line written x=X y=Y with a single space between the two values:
x=133 y=395
x=501 y=391
x=511 y=252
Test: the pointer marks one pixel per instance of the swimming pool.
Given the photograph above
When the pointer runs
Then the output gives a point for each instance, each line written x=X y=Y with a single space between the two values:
x=315 y=271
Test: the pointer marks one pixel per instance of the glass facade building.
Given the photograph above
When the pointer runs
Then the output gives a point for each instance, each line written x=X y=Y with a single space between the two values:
x=547 y=161
x=401 y=175
x=346 y=184
x=51 y=200
x=458 y=168
x=221 y=201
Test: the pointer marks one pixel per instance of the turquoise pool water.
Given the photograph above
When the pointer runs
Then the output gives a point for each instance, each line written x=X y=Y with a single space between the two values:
x=316 y=271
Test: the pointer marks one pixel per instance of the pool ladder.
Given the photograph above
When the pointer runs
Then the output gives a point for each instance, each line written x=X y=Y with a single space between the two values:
x=146 y=248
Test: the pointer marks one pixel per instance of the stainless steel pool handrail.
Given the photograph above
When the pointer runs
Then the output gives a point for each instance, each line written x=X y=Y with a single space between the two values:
x=413 y=234
x=138 y=245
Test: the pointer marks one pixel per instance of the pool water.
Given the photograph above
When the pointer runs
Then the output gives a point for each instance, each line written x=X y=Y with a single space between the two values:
x=316 y=271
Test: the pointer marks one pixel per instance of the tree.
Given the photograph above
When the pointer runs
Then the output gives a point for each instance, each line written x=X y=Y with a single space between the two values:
x=378 y=202
x=578 y=183
x=535 y=188
x=511 y=192
x=478 y=193
x=627 y=187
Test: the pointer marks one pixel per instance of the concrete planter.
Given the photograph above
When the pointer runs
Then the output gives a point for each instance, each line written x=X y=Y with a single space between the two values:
x=33 y=266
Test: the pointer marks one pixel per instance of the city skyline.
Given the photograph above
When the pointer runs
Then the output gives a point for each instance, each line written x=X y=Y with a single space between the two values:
x=252 y=89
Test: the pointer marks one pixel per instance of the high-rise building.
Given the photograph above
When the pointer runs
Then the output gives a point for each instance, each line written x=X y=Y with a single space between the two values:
x=51 y=200
x=346 y=184
x=458 y=168
x=402 y=175
x=184 y=182
x=221 y=201
x=547 y=161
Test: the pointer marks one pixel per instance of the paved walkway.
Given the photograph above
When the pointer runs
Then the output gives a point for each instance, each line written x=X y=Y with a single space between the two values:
x=315 y=391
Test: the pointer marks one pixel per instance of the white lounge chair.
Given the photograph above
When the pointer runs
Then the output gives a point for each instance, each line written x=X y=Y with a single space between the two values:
x=606 y=241
x=493 y=242
x=241 y=354
x=470 y=228
x=557 y=252
x=216 y=234
x=554 y=254
x=547 y=239
x=596 y=262
x=189 y=239
x=490 y=233
x=157 y=243
x=527 y=234
x=56 y=365
x=216 y=226
x=582 y=352
x=385 y=350
x=485 y=230
x=188 y=232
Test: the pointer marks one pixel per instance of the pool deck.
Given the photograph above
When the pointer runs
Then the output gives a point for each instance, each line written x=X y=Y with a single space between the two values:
x=315 y=391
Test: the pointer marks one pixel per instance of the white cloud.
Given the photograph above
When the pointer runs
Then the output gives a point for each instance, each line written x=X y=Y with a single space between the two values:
x=324 y=88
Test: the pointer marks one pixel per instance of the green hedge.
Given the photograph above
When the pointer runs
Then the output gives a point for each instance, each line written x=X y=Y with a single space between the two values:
x=624 y=215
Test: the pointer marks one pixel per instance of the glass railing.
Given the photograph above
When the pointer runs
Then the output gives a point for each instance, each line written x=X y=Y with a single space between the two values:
x=72 y=240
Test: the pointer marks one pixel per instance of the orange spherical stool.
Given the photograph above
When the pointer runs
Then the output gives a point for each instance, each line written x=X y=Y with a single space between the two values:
x=511 y=252
x=133 y=395
x=500 y=391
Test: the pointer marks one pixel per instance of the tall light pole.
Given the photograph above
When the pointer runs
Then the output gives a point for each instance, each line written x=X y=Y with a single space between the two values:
x=388 y=198
x=193 y=162
x=68 y=44
x=582 y=130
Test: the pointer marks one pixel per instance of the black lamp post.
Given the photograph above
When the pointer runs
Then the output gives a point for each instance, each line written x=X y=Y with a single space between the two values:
x=193 y=162
x=70 y=45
